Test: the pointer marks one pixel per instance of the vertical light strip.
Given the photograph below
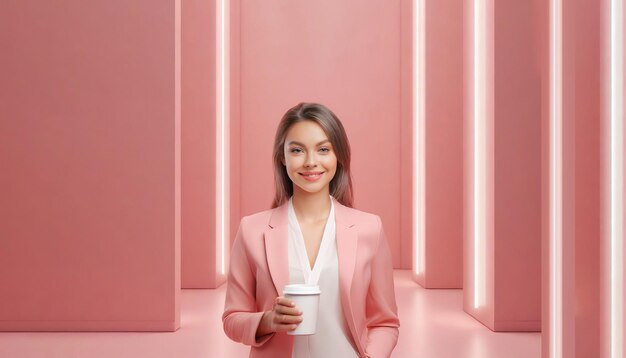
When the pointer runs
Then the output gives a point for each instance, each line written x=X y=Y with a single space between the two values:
x=617 y=178
x=479 y=128
x=418 y=135
x=556 y=170
x=222 y=169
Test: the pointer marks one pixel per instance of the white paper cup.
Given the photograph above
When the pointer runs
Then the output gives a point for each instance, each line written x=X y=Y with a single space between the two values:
x=307 y=299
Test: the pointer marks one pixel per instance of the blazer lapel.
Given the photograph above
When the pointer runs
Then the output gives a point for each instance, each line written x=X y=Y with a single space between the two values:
x=275 y=238
x=347 y=240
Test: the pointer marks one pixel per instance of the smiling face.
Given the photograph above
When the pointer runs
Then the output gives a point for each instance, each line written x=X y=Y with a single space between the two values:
x=309 y=158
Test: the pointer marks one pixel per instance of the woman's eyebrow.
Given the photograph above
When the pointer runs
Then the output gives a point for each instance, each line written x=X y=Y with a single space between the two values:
x=298 y=143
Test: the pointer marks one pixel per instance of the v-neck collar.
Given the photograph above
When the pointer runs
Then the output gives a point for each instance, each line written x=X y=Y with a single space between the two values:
x=276 y=239
x=311 y=275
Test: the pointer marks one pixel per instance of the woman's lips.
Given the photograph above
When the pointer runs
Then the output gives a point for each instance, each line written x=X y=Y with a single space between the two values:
x=311 y=176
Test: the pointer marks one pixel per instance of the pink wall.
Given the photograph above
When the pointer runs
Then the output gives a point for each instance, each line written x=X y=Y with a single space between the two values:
x=513 y=257
x=322 y=52
x=90 y=160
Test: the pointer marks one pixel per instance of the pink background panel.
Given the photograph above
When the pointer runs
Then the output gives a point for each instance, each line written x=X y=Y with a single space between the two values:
x=406 y=130
x=321 y=52
x=517 y=166
x=587 y=102
x=444 y=144
x=88 y=158
x=544 y=64
x=513 y=260
x=484 y=314
x=235 y=121
x=584 y=184
x=199 y=251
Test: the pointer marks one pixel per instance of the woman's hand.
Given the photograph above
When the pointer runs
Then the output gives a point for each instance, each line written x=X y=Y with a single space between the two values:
x=284 y=316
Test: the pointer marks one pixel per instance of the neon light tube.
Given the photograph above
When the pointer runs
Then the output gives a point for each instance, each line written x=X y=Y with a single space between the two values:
x=616 y=178
x=418 y=137
x=479 y=129
x=556 y=170
x=222 y=217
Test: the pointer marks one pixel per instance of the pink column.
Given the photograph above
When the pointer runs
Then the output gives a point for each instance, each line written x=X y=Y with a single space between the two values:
x=583 y=265
x=407 y=181
x=201 y=250
x=585 y=109
x=502 y=273
x=442 y=118
x=235 y=121
x=613 y=132
x=90 y=166
x=576 y=182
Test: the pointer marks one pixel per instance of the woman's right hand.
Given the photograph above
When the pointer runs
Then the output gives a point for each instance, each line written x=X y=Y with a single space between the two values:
x=284 y=316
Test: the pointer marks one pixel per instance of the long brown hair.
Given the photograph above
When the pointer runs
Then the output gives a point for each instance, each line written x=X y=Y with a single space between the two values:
x=341 y=184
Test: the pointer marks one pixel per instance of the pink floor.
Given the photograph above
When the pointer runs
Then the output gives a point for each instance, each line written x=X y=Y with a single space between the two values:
x=433 y=325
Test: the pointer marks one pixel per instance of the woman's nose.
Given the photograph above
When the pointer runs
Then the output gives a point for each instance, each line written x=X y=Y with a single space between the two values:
x=310 y=161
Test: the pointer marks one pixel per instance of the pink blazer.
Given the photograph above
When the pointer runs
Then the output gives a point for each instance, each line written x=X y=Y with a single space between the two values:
x=259 y=271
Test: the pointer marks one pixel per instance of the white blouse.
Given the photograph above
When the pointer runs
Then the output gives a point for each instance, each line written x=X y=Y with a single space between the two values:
x=332 y=337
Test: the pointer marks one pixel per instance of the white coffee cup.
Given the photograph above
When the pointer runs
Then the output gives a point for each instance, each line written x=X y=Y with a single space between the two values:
x=307 y=299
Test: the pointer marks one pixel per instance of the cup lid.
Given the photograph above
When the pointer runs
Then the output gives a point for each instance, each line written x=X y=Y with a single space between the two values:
x=301 y=289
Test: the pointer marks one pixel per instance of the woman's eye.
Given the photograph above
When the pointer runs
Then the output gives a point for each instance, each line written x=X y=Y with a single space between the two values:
x=295 y=150
x=324 y=149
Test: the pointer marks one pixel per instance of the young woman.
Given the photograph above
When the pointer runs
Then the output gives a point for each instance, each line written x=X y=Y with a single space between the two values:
x=312 y=234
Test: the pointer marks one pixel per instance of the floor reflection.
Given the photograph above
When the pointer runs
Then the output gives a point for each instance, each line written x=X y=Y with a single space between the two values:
x=433 y=325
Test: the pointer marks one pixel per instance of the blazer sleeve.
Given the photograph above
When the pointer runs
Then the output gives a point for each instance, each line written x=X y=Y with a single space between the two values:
x=381 y=310
x=240 y=317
